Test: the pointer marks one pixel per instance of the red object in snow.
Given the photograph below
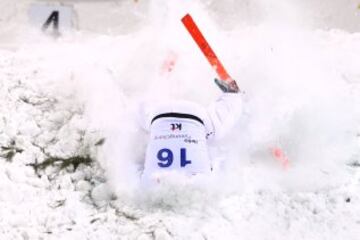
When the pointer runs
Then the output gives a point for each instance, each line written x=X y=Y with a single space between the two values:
x=205 y=47
x=280 y=156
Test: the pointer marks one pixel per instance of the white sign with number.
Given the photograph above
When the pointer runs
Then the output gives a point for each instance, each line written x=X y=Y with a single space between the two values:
x=56 y=18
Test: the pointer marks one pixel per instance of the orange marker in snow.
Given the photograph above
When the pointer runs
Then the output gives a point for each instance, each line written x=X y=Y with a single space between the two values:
x=280 y=156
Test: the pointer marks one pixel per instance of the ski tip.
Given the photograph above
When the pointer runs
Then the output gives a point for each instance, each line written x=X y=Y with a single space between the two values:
x=186 y=17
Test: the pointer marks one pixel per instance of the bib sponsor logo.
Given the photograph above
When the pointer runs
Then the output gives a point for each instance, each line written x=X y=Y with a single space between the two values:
x=189 y=140
x=170 y=136
x=175 y=126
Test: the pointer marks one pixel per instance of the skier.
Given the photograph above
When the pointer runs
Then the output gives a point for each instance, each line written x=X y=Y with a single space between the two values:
x=180 y=130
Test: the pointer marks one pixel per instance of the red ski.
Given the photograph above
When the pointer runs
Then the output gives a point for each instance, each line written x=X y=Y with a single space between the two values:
x=205 y=47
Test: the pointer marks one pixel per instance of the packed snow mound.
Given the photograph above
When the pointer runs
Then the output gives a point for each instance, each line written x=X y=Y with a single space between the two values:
x=71 y=149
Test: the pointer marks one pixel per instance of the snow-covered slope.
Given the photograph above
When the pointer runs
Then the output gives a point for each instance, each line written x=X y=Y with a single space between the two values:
x=71 y=150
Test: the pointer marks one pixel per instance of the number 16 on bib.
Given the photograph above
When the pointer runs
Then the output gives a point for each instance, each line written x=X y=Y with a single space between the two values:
x=166 y=158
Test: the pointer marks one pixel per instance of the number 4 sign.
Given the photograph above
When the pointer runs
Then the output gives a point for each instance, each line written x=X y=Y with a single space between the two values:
x=51 y=19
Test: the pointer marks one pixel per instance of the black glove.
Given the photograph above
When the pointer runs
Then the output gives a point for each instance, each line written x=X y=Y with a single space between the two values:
x=227 y=86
